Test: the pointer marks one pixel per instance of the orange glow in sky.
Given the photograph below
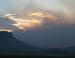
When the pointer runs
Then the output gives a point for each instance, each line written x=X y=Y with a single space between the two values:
x=31 y=19
x=8 y=30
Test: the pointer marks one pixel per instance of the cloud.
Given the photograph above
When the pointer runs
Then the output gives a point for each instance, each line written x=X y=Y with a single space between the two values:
x=30 y=19
x=46 y=36
x=67 y=10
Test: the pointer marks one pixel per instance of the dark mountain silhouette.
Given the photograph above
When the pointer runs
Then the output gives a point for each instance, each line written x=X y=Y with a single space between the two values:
x=61 y=51
x=70 y=49
x=57 y=51
x=9 y=44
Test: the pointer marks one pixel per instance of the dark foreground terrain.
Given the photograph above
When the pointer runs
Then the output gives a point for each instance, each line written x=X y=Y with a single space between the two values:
x=10 y=46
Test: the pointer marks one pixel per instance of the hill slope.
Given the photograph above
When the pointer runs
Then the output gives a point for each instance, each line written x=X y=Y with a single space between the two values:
x=9 y=44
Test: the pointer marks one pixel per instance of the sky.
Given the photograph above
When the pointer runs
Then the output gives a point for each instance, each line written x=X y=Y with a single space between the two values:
x=60 y=33
x=47 y=4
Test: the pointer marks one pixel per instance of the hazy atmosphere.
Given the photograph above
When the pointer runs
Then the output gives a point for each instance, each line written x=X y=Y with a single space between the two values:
x=41 y=23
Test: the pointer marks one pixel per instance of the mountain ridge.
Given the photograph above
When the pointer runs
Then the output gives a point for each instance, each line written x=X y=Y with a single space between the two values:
x=9 y=44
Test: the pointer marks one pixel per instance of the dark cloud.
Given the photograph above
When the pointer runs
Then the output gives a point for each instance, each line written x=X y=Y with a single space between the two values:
x=49 y=36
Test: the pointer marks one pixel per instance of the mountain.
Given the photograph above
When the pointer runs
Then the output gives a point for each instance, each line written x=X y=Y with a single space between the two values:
x=61 y=51
x=70 y=49
x=9 y=44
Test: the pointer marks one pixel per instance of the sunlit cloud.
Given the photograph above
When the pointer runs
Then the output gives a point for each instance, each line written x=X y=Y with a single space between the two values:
x=7 y=30
x=31 y=20
x=25 y=16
